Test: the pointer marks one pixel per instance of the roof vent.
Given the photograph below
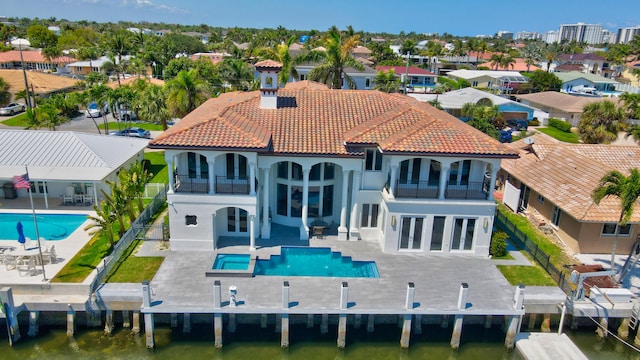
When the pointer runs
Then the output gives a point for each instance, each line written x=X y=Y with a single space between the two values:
x=268 y=70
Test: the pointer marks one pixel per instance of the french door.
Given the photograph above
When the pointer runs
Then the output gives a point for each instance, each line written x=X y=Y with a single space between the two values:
x=463 y=233
x=411 y=233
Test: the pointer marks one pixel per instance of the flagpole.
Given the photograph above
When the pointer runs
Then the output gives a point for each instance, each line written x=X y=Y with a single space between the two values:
x=35 y=224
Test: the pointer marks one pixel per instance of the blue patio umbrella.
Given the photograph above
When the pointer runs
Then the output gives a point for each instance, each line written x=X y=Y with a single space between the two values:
x=21 y=238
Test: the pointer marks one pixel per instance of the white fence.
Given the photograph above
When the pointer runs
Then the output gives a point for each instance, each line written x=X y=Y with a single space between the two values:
x=628 y=88
x=152 y=189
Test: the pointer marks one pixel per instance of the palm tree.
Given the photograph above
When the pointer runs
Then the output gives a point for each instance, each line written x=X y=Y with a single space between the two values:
x=507 y=61
x=496 y=60
x=5 y=95
x=237 y=74
x=152 y=104
x=185 y=93
x=333 y=61
x=627 y=190
x=631 y=105
x=103 y=221
x=634 y=132
x=282 y=55
x=133 y=180
x=387 y=82
x=550 y=53
x=50 y=116
x=531 y=54
x=83 y=100
x=482 y=48
x=600 y=123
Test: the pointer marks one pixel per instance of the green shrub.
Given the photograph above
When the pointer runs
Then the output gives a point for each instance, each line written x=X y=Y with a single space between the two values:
x=560 y=125
x=534 y=122
x=498 y=246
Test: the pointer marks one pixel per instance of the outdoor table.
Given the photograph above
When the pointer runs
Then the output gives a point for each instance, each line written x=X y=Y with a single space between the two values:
x=25 y=255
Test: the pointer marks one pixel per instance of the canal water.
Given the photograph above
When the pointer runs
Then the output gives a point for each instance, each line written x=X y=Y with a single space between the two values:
x=251 y=342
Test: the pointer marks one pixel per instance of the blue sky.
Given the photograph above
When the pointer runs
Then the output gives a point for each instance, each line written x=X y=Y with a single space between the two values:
x=461 y=17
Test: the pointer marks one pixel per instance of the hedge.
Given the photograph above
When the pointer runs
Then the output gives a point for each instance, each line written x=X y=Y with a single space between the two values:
x=560 y=124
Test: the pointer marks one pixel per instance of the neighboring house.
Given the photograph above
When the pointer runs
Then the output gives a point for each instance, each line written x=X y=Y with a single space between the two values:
x=214 y=57
x=417 y=77
x=518 y=65
x=59 y=160
x=41 y=84
x=575 y=79
x=32 y=60
x=204 y=38
x=627 y=73
x=363 y=79
x=587 y=63
x=453 y=102
x=502 y=81
x=559 y=105
x=131 y=80
x=85 y=67
x=555 y=181
x=373 y=166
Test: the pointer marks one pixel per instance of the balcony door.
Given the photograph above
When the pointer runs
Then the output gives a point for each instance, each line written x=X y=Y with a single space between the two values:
x=411 y=233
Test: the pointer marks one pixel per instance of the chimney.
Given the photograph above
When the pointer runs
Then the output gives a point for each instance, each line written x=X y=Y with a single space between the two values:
x=268 y=70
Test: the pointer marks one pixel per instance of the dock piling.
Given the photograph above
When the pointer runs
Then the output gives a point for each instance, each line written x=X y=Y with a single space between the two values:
x=108 y=322
x=33 y=323
x=148 y=317
x=284 y=330
x=370 y=323
x=342 y=318
x=217 y=317
x=186 y=323
x=324 y=324
x=126 y=322
x=310 y=318
x=135 y=327
x=406 y=323
x=457 y=322
x=71 y=320
x=513 y=326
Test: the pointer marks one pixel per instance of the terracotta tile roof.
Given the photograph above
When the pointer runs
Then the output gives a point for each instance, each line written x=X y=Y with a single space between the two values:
x=42 y=83
x=564 y=102
x=32 y=56
x=519 y=65
x=413 y=70
x=268 y=64
x=133 y=79
x=566 y=174
x=314 y=120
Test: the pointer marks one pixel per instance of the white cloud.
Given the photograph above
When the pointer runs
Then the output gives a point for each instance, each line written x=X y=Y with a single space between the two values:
x=152 y=5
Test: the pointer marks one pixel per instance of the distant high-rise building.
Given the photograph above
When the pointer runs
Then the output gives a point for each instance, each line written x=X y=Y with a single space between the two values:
x=625 y=35
x=503 y=34
x=580 y=32
x=551 y=37
x=527 y=35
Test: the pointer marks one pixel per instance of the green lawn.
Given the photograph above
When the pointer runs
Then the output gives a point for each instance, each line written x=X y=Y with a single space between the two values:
x=158 y=166
x=85 y=261
x=142 y=125
x=134 y=269
x=527 y=275
x=560 y=135
x=18 y=120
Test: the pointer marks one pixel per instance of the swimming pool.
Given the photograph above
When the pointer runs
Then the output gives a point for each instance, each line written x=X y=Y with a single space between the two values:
x=304 y=261
x=231 y=262
x=50 y=226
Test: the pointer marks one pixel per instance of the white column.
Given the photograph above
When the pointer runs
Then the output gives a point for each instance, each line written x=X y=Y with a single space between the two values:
x=266 y=225
x=304 y=229
x=444 y=176
x=212 y=175
x=172 y=184
x=342 y=229
x=392 y=180
x=492 y=183
x=213 y=232
x=353 y=227
x=46 y=200
x=252 y=178
x=252 y=235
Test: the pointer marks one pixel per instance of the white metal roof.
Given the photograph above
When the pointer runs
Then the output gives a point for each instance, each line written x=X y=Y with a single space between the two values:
x=64 y=155
x=457 y=98
x=473 y=74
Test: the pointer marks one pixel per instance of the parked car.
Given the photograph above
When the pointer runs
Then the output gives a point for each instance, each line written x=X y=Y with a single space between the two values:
x=12 y=108
x=133 y=132
x=94 y=111
x=518 y=124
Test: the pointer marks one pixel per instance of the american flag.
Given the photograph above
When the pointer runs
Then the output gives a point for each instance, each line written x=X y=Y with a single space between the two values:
x=21 y=182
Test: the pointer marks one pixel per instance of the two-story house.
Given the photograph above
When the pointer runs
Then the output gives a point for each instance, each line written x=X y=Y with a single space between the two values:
x=374 y=166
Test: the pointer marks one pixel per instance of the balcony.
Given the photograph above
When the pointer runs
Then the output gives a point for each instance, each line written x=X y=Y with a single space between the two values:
x=470 y=191
x=225 y=185
x=422 y=190
x=185 y=184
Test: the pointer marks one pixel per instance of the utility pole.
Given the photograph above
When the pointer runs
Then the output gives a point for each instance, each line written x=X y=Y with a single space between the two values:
x=24 y=74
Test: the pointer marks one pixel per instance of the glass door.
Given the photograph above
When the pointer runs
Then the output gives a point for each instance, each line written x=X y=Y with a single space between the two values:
x=463 y=233
x=411 y=233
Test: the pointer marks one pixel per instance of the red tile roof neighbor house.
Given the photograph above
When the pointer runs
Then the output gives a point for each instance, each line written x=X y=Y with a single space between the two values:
x=311 y=119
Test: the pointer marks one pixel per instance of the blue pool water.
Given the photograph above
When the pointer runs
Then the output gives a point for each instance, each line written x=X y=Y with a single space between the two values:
x=231 y=262
x=303 y=261
x=50 y=226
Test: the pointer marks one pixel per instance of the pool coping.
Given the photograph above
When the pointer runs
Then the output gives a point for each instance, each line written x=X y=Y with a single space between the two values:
x=234 y=273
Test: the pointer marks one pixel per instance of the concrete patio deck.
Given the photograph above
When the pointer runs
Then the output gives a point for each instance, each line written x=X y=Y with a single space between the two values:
x=180 y=284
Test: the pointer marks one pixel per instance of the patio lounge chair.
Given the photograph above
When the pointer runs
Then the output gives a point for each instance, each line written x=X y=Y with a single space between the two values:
x=49 y=255
x=27 y=269
x=10 y=262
